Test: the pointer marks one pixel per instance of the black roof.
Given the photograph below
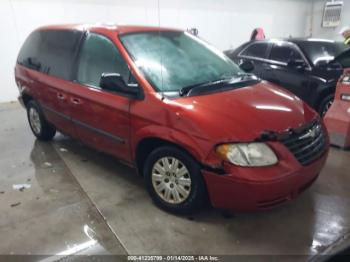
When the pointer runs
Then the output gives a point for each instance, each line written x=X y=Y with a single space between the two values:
x=297 y=40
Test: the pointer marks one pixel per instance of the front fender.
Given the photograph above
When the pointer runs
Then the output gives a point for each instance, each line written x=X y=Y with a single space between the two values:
x=322 y=91
x=197 y=147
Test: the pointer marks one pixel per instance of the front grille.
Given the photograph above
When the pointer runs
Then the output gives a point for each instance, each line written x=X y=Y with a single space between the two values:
x=308 y=144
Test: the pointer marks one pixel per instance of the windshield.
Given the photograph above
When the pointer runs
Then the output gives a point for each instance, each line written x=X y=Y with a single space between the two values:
x=172 y=60
x=322 y=50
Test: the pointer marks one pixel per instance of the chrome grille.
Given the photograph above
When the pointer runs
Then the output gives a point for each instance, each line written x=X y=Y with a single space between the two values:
x=308 y=144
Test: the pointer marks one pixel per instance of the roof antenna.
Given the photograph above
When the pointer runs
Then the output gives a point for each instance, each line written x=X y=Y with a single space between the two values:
x=161 y=53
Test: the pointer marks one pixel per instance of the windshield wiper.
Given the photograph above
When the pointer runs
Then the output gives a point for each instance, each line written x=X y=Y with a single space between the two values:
x=245 y=76
x=241 y=77
x=184 y=90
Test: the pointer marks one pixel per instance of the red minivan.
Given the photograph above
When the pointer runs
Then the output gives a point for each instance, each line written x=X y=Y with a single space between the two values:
x=192 y=123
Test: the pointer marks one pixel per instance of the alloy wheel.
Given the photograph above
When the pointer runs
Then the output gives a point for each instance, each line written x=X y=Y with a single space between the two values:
x=171 y=180
x=34 y=120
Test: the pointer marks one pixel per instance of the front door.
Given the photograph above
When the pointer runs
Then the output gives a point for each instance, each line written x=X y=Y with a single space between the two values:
x=101 y=117
x=295 y=79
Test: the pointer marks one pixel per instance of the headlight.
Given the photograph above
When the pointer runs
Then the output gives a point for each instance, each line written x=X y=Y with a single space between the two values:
x=346 y=79
x=247 y=154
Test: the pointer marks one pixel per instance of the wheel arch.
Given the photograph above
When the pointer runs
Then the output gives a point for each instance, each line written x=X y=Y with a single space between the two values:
x=26 y=98
x=148 y=143
x=329 y=90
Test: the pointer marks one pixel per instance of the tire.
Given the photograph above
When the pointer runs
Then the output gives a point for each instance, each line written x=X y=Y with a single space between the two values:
x=325 y=105
x=40 y=127
x=187 y=180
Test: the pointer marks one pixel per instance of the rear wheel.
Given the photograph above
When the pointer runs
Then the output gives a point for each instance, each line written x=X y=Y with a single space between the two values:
x=42 y=129
x=174 y=180
x=326 y=103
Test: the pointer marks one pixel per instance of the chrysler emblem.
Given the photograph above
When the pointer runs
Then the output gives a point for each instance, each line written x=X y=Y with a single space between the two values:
x=312 y=133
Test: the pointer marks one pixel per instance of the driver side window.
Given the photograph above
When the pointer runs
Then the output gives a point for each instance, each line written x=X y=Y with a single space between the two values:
x=284 y=53
x=99 y=55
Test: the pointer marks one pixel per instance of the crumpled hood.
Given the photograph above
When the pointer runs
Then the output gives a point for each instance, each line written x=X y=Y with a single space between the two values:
x=241 y=114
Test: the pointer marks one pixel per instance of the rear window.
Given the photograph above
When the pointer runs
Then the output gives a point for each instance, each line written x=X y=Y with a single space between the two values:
x=28 y=55
x=51 y=52
x=256 y=50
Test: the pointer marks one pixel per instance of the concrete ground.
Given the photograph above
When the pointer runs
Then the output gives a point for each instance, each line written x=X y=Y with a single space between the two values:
x=64 y=198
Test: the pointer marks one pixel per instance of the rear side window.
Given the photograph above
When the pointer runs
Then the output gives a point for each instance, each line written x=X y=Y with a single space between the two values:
x=58 y=50
x=256 y=50
x=99 y=55
x=28 y=56
x=51 y=52
x=284 y=53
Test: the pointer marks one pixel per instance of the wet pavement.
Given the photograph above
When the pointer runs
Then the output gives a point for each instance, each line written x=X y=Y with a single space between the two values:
x=43 y=209
x=63 y=197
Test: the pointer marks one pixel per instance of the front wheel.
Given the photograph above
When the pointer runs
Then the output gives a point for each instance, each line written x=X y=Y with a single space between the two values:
x=174 y=180
x=326 y=103
x=42 y=129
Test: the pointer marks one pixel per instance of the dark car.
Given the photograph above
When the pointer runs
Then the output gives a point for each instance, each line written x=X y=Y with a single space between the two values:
x=309 y=68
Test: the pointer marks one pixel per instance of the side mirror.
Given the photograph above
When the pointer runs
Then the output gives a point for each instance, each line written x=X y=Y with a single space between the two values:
x=114 y=82
x=297 y=64
x=247 y=66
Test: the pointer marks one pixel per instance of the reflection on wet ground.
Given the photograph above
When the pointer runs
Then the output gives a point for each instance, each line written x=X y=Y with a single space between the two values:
x=79 y=198
x=43 y=209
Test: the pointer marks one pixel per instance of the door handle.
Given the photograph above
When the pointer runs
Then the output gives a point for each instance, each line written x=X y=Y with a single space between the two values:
x=61 y=96
x=76 y=101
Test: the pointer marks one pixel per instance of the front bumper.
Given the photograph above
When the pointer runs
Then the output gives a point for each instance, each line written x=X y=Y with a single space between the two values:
x=263 y=188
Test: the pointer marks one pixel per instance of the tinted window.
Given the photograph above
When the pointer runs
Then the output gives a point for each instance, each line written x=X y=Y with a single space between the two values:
x=99 y=55
x=256 y=50
x=28 y=55
x=57 y=52
x=284 y=53
x=51 y=52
